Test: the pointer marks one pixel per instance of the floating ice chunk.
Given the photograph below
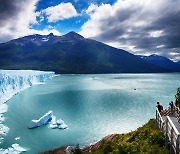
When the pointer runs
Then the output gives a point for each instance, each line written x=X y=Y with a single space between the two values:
x=14 y=149
x=53 y=126
x=42 y=121
x=11 y=150
x=48 y=118
x=60 y=122
x=18 y=148
x=62 y=126
x=6 y=151
x=57 y=124
x=53 y=121
x=17 y=138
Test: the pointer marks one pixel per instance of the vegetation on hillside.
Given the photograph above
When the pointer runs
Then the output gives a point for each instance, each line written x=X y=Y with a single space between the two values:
x=146 y=139
x=177 y=96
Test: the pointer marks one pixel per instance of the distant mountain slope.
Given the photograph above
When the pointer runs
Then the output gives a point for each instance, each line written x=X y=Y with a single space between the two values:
x=161 y=62
x=70 y=53
x=178 y=62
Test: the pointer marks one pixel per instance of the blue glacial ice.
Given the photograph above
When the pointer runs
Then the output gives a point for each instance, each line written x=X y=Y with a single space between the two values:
x=41 y=121
x=13 y=82
x=57 y=123
x=48 y=118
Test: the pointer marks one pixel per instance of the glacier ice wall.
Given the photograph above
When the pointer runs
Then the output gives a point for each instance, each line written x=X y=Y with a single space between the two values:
x=13 y=82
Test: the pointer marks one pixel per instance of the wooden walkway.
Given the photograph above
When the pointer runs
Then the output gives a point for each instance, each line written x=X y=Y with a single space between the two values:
x=169 y=123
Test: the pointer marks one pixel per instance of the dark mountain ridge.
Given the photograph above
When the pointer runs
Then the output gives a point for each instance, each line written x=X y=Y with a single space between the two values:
x=70 y=53
x=162 y=62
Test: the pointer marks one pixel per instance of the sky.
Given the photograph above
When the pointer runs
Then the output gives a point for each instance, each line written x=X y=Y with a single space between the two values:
x=142 y=27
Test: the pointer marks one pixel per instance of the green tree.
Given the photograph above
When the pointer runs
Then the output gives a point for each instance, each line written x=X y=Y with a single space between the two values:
x=177 y=96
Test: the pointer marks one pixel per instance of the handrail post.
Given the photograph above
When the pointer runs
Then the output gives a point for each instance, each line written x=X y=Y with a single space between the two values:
x=177 y=144
x=160 y=125
x=166 y=140
x=156 y=118
x=171 y=142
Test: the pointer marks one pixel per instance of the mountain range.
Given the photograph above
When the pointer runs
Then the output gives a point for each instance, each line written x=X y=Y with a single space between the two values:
x=72 y=53
x=162 y=62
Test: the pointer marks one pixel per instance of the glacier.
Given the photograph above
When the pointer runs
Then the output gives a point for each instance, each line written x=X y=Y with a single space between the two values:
x=13 y=82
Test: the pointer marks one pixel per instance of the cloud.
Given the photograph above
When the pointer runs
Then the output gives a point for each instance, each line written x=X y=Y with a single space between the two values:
x=16 y=18
x=59 y=12
x=92 y=7
x=139 y=26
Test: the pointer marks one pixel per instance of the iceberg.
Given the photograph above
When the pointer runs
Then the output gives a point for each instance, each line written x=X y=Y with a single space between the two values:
x=62 y=126
x=48 y=118
x=14 y=149
x=57 y=123
x=42 y=121
x=13 y=82
x=18 y=148
x=17 y=138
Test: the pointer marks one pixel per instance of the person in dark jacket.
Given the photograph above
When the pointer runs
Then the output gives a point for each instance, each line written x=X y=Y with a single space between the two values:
x=159 y=106
x=172 y=107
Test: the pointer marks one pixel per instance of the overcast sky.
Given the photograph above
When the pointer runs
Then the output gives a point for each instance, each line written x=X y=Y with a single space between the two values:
x=138 y=26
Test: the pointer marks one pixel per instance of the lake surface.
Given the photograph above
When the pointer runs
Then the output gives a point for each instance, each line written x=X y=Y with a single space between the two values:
x=92 y=106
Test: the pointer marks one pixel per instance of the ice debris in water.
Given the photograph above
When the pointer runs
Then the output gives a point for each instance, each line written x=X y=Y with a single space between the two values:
x=57 y=123
x=17 y=138
x=48 y=118
x=14 y=149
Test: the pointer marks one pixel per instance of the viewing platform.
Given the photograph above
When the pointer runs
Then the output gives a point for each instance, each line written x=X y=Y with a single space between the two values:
x=169 y=122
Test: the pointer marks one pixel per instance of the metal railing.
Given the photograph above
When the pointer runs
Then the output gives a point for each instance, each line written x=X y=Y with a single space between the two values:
x=159 y=120
x=165 y=124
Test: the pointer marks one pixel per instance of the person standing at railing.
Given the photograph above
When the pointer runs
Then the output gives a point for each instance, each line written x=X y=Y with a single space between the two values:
x=172 y=107
x=159 y=106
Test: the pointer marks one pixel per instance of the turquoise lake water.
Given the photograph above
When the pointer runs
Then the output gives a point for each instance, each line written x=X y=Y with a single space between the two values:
x=92 y=106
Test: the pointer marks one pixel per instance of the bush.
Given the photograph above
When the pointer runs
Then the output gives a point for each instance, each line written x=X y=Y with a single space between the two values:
x=146 y=139
x=177 y=96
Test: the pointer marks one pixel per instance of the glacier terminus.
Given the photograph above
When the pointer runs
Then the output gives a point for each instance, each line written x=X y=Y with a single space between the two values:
x=11 y=83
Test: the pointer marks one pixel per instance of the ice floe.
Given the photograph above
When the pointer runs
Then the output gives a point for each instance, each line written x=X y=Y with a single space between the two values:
x=17 y=138
x=14 y=149
x=42 y=121
x=48 y=118
x=57 y=123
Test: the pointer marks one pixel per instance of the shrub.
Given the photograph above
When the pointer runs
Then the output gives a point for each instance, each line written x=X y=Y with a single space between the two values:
x=146 y=139
x=177 y=96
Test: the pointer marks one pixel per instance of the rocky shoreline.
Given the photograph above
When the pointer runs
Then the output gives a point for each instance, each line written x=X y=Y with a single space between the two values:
x=85 y=150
